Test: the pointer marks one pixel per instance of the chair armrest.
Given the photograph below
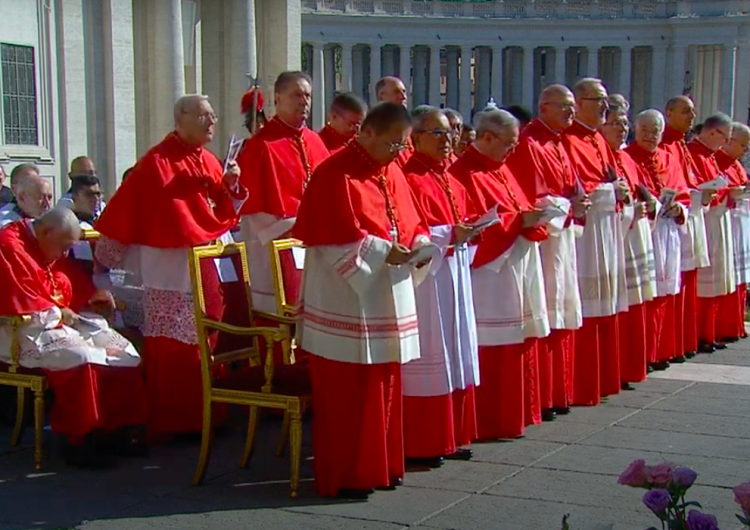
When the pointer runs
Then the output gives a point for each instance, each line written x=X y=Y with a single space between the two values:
x=279 y=319
x=270 y=334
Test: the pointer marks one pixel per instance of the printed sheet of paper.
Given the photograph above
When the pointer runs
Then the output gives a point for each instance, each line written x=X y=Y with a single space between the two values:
x=667 y=199
x=716 y=184
x=424 y=253
x=488 y=219
x=233 y=149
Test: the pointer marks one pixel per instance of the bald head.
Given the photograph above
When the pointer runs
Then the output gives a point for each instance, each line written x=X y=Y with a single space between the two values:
x=557 y=107
x=57 y=231
x=391 y=89
x=680 y=113
x=82 y=165
x=738 y=145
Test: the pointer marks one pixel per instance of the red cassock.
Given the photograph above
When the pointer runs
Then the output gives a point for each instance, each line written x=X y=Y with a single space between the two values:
x=358 y=420
x=732 y=309
x=276 y=164
x=707 y=168
x=437 y=425
x=544 y=169
x=660 y=170
x=686 y=303
x=633 y=326
x=596 y=359
x=172 y=199
x=508 y=397
x=331 y=139
x=88 y=397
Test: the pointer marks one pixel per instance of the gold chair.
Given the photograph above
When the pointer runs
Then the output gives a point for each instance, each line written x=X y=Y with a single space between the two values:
x=284 y=306
x=259 y=386
x=23 y=380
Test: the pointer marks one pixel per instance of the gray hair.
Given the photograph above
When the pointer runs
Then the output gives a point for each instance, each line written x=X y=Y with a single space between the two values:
x=186 y=104
x=29 y=183
x=60 y=219
x=740 y=127
x=422 y=113
x=651 y=116
x=494 y=120
x=584 y=84
x=717 y=120
x=453 y=114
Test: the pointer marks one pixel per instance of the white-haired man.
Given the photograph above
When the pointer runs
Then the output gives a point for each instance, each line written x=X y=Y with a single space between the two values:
x=33 y=195
x=661 y=172
x=716 y=281
x=92 y=370
x=189 y=200
x=732 y=324
x=545 y=174
x=601 y=251
x=509 y=297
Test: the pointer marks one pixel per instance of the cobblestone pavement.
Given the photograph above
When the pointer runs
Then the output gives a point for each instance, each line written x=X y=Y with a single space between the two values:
x=694 y=414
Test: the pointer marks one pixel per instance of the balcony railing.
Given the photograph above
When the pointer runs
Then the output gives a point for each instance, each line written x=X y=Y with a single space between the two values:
x=530 y=8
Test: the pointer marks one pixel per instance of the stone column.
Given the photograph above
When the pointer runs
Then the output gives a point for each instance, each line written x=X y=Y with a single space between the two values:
x=451 y=77
x=496 y=83
x=358 y=72
x=626 y=71
x=658 y=68
x=435 y=75
x=728 y=67
x=319 y=86
x=404 y=69
x=482 y=78
x=679 y=66
x=465 y=92
x=389 y=61
x=346 y=66
x=742 y=82
x=528 y=77
x=329 y=67
x=169 y=74
x=561 y=55
x=374 y=70
x=420 y=76
x=592 y=63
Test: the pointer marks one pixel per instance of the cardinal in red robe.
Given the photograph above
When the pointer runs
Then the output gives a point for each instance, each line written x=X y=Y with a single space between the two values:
x=541 y=160
x=365 y=240
x=344 y=119
x=717 y=282
x=175 y=198
x=602 y=281
x=92 y=370
x=732 y=326
x=680 y=114
x=391 y=89
x=439 y=411
x=507 y=279
x=276 y=165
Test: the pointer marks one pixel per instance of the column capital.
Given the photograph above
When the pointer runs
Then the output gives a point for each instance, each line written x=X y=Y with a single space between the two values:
x=317 y=45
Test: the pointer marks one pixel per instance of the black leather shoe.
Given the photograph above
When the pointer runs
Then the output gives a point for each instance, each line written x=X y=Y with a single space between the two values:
x=720 y=346
x=660 y=366
x=678 y=360
x=627 y=386
x=689 y=355
x=354 y=494
x=730 y=340
x=706 y=348
x=398 y=481
x=548 y=415
x=649 y=369
x=431 y=462
x=460 y=454
x=562 y=411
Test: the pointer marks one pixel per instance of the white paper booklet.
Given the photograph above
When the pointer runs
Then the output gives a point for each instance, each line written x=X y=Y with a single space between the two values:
x=488 y=219
x=233 y=149
x=715 y=184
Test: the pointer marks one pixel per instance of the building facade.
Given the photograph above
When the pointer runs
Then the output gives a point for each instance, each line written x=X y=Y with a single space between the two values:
x=100 y=77
x=458 y=54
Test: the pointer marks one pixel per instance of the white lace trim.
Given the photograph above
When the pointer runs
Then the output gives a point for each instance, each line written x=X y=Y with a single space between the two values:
x=169 y=314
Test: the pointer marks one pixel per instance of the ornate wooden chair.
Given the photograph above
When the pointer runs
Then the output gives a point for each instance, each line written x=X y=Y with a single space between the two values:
x=23 y=380
x=258 y=386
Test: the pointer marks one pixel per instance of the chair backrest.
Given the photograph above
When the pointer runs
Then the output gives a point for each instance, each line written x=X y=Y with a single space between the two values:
x=221 y=291
x=287 y=275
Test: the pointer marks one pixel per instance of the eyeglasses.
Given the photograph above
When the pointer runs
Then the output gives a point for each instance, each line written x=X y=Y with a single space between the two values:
x=209 y=116
x=439 y=133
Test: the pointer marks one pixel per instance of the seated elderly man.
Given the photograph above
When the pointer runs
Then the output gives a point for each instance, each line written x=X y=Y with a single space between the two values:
x=92 y=370
x=33 y=195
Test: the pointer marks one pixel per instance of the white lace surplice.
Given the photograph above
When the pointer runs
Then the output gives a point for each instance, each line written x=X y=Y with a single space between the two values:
x=640 y=272
x=601 y=257
x=46 y=343
x=741 y=240
x=448 y=334
x=356 y=308
x=509 y=298
x=694 y=240
x=719 y=278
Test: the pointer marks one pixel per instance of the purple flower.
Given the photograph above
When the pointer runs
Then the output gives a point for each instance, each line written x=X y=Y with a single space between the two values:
x=683 y=477
x=701 y=521
x=657 y=500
